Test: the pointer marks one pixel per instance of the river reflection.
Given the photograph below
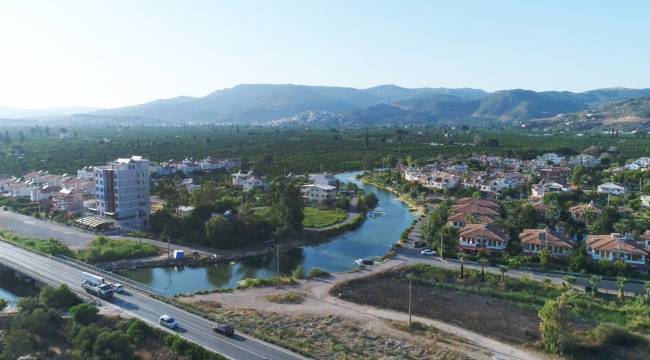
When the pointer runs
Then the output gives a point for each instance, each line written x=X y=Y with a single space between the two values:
x=373 y=238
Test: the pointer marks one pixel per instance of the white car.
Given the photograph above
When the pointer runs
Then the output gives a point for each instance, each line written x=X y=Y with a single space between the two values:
x=168 y=322
x=427 y=252
x=118 y=288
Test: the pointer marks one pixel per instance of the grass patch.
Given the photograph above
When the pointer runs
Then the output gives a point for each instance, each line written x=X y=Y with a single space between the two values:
x=46 y=246
x=274 y=281
x=103 y=249
x=318 y=218
x=317 y=273
x=286 y=298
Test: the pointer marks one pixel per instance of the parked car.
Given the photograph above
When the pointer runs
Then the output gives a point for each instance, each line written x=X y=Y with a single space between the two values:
x=224 y=329
x=427 y=252
x=119 y=288
x=168 y=322
x=364 y=261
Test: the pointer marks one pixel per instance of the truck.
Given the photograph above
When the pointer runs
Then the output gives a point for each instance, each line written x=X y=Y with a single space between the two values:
x=96 y=285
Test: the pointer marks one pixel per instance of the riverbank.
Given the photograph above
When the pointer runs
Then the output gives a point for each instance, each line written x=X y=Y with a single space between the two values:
x=413 y=205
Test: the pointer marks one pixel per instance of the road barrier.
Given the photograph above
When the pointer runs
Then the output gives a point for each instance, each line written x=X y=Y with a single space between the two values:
x=107 y=274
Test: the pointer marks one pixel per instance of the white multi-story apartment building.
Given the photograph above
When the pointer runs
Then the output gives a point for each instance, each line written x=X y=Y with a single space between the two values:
x=122 y=192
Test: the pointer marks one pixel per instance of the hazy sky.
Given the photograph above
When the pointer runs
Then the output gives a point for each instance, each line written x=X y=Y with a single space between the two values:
x=115 y=53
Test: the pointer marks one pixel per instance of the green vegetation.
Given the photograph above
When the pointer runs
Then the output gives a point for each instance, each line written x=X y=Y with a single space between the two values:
x=39 y=328
x=224 y=216
x=317 y=273
x=49 y=246
x=567 y=322
x=3 y=304
x=256 y=282
x=286 y=298
x=319 y=218
x=103 y=249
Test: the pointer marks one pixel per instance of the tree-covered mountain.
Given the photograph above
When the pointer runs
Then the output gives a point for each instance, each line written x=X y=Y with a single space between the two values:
x=300 y=105
x=261 y=103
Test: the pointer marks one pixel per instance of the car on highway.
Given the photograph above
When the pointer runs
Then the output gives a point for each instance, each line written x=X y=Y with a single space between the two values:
x=118 y=289
x=224 y=329
x=168 y=322
x=427 y=252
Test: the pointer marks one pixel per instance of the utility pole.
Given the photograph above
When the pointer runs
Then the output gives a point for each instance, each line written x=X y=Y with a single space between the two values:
x=410 y=296
x=277 y=260
x=441 y=246
x=169 y=242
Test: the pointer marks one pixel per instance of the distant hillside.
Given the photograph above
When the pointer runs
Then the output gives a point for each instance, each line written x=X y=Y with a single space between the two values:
x=628 y=114
x=262 y=103
x=323 y=106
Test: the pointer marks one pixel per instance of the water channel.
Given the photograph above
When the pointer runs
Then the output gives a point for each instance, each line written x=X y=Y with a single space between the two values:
x=374 y=238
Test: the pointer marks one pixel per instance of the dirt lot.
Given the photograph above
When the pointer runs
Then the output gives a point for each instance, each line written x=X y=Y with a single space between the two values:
x=491 y=317
x=332 y=337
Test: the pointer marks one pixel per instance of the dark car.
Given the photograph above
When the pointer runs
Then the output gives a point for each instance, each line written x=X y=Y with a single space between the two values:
x=223 y=329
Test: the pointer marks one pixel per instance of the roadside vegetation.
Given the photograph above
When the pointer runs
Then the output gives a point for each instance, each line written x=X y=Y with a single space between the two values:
x=101 y=249
x=39 y=328
x=104 y=249
x=555 y=318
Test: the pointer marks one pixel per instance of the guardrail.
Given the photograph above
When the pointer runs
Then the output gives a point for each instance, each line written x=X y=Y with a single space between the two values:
x=110 y=275
x=89 y=268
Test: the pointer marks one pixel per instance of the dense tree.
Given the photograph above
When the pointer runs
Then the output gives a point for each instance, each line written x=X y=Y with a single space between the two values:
x=286 y=208
x=84 y=314
x=3 y=304
x=58 y=297
x=113 y=345
x=17 y=343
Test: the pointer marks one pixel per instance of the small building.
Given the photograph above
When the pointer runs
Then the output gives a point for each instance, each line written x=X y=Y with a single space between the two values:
x=612 y=189
x=538 y=191
x=482 y=238
x=578 y=211
x=616 y=247
x=184 y=211
x=534 y=241
x=319 y=193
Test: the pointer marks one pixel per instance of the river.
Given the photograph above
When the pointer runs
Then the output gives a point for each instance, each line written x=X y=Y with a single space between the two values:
x=12 y=289
x=373 y=238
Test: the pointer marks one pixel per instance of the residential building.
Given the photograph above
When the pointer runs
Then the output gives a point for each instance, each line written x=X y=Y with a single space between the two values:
x=319 y=193
x=645 y=200
x=584 y=160
x=482 y=238
x=578 y=211
x=122 y=192
x=323 y=179
x=533 y=241
x=548 y=158
x=539 y=190
x=612 y=189
x=616 y=247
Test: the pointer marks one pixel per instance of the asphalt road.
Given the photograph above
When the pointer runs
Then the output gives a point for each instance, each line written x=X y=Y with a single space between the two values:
x=191 y=327
x=609 y=286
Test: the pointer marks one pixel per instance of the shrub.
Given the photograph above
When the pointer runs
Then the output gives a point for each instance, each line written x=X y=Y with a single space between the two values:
x=3 y=304
x=84 y=314
x=317 y=273
x=286 y=298
x=299 y=273
x=138 y=331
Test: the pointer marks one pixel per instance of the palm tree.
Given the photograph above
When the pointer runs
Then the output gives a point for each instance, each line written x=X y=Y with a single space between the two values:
x=594 y=281
x=483 y=261
x=504 y=270
x=461 y=257
x=620 y=283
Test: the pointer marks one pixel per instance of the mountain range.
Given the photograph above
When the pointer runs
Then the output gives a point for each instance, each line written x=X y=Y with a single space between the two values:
x=301 y=105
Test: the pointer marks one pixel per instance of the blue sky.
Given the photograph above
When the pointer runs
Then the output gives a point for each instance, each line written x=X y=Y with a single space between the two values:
x=122 y=52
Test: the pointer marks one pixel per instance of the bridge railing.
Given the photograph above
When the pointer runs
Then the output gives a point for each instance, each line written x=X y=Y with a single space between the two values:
x=107 y=274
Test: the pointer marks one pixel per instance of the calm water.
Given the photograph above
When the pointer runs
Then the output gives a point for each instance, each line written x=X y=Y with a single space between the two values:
x=373 y=238
x=12 y=290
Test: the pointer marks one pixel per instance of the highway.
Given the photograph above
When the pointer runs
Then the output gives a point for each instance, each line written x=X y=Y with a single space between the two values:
x=191 y=327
